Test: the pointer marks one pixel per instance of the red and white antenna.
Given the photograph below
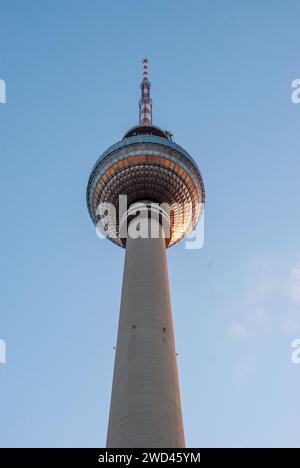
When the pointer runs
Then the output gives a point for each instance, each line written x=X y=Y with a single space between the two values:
x=145 y=101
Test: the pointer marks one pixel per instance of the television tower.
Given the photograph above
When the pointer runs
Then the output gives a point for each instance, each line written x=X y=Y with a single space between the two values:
x=145 y=194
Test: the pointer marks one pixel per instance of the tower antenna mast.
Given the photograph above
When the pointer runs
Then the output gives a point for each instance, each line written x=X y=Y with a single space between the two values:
x=145 y=103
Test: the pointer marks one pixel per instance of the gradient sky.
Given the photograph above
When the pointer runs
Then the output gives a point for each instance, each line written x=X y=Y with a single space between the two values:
x=221 y=75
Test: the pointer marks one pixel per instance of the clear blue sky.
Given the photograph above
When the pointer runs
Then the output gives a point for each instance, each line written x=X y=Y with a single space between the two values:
x=221 y=75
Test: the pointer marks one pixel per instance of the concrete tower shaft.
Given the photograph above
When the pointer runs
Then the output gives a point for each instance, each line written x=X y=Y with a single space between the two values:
x=145 y=406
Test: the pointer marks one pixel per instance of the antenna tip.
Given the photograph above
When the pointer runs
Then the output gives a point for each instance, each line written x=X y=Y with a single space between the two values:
x=145 y=66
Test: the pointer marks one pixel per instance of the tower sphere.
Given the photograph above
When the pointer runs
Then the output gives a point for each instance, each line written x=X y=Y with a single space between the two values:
x=146 y=165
